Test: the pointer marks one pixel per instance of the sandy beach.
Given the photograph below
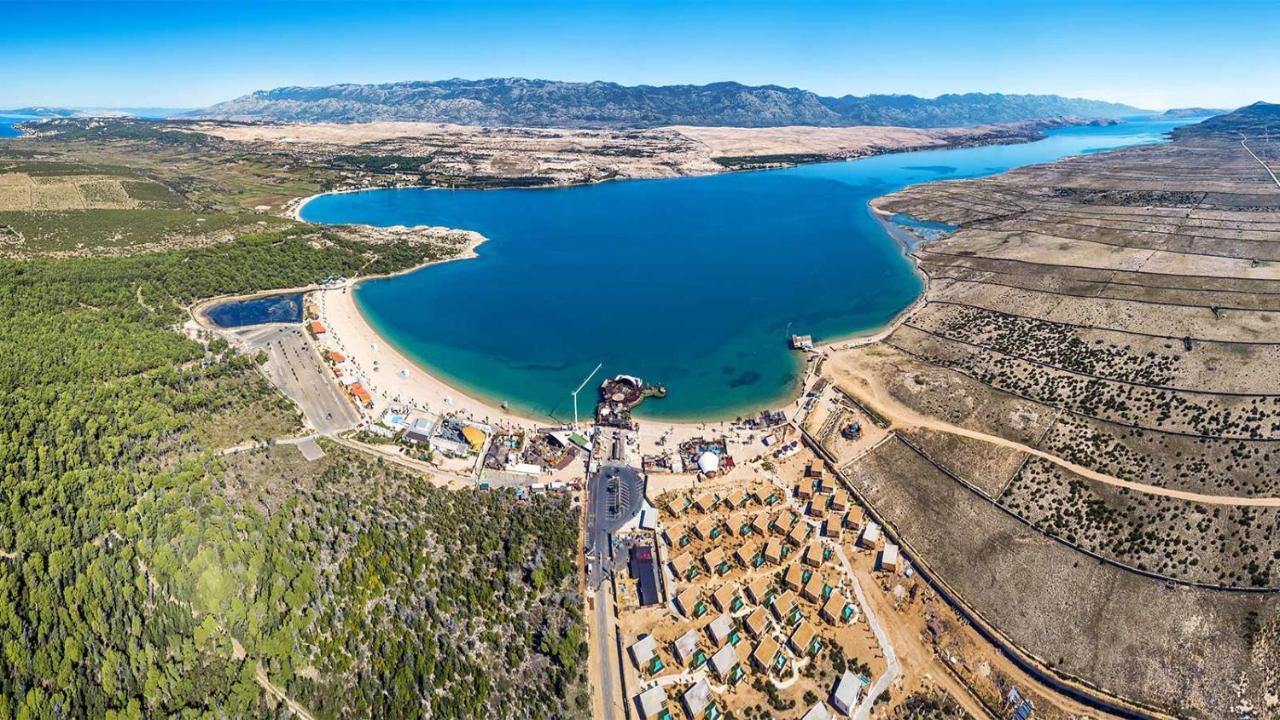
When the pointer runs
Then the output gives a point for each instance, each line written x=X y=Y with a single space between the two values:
x=394 y=380
x=390 y=377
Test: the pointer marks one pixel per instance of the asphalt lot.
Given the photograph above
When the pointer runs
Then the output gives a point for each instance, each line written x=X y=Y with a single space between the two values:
x=296 y=368
x=615 y=495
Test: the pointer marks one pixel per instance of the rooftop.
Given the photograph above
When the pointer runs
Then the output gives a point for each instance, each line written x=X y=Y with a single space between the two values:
x=697 y=698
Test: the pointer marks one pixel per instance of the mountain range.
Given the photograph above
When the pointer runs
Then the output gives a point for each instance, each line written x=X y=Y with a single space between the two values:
x=548 y=103
x=1258 y=119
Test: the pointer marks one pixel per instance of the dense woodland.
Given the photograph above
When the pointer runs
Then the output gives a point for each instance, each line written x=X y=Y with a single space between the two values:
x=144 y=575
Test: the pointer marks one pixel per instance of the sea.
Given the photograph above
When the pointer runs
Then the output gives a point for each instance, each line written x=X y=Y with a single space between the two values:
x=693 y=283
x=6 y=126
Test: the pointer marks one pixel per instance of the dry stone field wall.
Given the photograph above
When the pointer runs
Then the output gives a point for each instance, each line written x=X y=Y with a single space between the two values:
x=1107 y=319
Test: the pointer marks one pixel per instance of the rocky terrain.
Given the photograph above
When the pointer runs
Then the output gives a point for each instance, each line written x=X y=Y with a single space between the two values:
x=546 y=103
x=1086 y=415
x=468 y=156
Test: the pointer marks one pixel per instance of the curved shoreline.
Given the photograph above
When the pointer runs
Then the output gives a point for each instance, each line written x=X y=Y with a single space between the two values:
x=359 y=324
x=345 y=320
x=842 y=341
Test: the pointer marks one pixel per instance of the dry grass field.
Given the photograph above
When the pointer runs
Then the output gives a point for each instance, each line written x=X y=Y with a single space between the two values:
x=1190 y=541
x=1183 y=649
x=20 y=192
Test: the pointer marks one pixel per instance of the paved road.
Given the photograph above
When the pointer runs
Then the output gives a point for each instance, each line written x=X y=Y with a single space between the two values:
x=296 y=368
x=1261 y=162
x=606 y=649
x=614 y=496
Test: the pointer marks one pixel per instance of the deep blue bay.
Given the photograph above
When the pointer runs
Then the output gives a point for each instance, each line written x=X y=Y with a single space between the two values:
x=695 y=283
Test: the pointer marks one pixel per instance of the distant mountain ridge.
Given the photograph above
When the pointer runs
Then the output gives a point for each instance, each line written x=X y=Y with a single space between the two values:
x=43 y=112
x=39 y=112
x=548 y=103
x=1258 y=119
x=1192 y=112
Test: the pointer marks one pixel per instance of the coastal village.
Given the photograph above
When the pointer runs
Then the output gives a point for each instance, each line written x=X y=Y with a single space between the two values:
x=730 y=571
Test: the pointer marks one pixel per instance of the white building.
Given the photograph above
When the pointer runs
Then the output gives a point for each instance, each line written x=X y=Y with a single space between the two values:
x=643 y=651
x=696 y=699
x=889 y=558
x=845 y=694
x=708 y=462
x=686 y=646
x=871 y=535
x=720 y=628
x=724 y=660
x=819 y=711
x=525 y=469
x=652 y=702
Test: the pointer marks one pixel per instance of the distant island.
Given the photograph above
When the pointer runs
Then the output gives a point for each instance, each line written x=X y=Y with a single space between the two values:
x=43 y=112
x=548 y=103
x=1192 y=112
x=39 y=112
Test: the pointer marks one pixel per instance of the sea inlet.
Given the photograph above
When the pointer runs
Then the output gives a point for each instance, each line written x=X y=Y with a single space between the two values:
x=694 y=283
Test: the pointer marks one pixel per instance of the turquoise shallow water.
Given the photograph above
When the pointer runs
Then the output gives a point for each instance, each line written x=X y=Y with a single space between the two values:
x=695 y=283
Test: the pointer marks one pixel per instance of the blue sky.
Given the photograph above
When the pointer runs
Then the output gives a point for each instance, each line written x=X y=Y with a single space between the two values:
x=186 y=54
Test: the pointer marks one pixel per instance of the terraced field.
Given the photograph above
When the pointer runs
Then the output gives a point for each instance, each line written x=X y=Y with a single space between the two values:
x=1087 y=409
x=61 y=207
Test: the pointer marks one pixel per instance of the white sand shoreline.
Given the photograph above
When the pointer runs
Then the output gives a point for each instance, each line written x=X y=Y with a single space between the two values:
x=393 y=379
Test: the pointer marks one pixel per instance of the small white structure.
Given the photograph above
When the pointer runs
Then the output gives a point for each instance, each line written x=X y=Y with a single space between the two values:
x=889 y=558
x=697 y=698
x=648 y=517
x=380 y=430
x=652 y=702
x=845 y=694
x=708 y=462
x=870 y=535
x=819 y=711
x=643 y=650
x=720 y=628
x=724 y=660
x=525 y=469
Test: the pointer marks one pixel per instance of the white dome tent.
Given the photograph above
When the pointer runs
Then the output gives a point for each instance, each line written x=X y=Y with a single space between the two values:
x=708 y=462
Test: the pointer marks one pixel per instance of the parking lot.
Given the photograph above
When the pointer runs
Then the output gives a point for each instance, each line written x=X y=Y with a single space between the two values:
x=295 y=367
x=615 y=496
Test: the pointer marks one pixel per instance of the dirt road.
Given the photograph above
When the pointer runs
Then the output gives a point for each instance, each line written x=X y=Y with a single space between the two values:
x=868 y=391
